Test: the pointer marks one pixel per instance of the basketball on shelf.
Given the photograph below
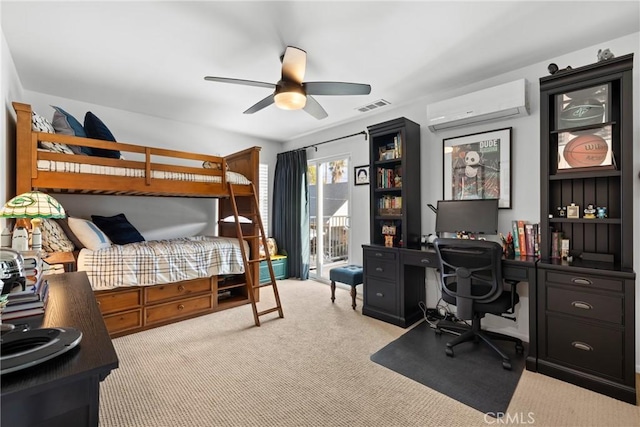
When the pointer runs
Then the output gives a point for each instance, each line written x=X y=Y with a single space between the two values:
x=585 y=150
x=582 y=112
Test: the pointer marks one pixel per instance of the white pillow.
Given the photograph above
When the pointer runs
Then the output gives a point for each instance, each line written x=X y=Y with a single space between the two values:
x=41 y=124
x=89 y=234
x=236 y=178
x=54 y=238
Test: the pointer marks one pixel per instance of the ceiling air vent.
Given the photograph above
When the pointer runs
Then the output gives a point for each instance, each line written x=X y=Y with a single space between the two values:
x=376 y=104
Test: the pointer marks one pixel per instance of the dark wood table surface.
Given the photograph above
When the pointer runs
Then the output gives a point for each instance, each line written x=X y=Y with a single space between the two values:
x=66 y=388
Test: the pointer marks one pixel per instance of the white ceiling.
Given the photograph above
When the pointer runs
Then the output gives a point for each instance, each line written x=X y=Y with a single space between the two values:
x=151 y=57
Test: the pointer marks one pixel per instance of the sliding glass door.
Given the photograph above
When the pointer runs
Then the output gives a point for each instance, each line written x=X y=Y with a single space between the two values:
x=329 y=215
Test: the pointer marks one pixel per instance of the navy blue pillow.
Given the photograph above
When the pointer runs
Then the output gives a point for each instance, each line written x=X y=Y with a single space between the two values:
x=95 y=129
x=118 y=229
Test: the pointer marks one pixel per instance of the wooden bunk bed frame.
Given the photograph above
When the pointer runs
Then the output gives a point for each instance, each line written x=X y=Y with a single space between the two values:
x=131 y=309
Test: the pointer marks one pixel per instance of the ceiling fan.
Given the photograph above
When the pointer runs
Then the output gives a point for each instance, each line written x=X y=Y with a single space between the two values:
x=291 y=93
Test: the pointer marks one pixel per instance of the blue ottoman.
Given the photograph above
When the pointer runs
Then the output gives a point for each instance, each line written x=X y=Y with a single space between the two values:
x=349 y=274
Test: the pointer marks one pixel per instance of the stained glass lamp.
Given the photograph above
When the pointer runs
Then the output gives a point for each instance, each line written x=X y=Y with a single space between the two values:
x=33 y=205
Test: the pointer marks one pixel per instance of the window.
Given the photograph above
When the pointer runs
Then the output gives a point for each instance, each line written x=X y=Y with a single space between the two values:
x=263 y=197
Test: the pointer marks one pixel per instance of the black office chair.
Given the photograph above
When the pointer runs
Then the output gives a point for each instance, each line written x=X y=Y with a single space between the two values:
x=471 y=279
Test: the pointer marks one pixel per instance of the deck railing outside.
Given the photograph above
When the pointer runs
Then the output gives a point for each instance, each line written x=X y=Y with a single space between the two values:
x=335 y=235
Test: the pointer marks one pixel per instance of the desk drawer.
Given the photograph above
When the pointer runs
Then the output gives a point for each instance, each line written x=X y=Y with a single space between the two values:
x=176 y=309
x=381 y=295
x=607 y=308
x=420 y=259
x=380 y=254
x=585 y=280
x=598 y=349
x=380 y=268
x=512 y=272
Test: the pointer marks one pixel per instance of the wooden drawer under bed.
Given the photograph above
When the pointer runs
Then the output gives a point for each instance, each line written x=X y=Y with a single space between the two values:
x=161 y=293
x=131 y=309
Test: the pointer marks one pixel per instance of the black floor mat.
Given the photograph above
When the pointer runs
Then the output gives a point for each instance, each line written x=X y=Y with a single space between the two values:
x=474 y=376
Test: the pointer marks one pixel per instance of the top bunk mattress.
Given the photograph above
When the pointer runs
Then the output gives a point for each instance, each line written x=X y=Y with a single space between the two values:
x=73 y=167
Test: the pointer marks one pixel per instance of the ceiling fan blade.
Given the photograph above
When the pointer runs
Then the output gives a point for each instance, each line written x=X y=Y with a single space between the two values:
x=240 y=82
x=294 y=64
x=336 y=88
x=260 y=105
x=315 y=109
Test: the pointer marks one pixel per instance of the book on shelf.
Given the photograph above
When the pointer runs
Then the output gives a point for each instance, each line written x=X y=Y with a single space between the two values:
x=20 y=314
x=530 y=239
x=522 y=242
x=32 y=292
x=556 y=244
x=35 y=299
x=22 y=306
x=516 y=240
x=31 y=260
x=526 y=238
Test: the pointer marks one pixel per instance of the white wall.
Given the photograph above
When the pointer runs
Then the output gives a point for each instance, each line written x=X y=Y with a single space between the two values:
x=155 y=217
x=525 y=181
x=11 y=91
x=169 y=217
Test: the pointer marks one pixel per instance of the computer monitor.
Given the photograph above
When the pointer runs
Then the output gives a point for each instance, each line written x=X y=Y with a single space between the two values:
x=477 y=216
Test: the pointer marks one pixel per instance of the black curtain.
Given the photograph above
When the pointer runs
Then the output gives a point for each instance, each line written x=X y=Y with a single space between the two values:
x=291 y=211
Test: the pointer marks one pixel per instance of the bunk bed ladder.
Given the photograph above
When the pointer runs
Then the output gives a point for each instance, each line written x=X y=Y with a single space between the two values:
x=253 y=283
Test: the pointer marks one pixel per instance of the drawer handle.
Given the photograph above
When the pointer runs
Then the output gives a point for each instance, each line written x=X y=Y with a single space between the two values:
x=583 y=305
x=181 y=288
x=582 y=346
x=379 y=269
x=378 y=254
x=425 y=261
x=581 y=281
x=379 y=294
x=181 y=307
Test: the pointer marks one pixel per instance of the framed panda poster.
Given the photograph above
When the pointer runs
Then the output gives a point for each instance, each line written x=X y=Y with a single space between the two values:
x=478 y=166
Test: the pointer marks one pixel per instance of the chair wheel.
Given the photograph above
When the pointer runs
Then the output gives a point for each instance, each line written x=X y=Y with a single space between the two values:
x=519 y=348
x=506 y=365
x=449 y=351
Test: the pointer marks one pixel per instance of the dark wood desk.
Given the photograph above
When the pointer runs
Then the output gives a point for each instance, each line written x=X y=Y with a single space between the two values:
x=63 y=391
x=394 y=285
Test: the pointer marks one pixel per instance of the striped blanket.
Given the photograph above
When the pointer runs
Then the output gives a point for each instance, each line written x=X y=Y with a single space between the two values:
x=161 y=261
x=72 y=167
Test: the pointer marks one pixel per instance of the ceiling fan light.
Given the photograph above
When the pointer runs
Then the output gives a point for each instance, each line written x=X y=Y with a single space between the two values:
x=290 y=100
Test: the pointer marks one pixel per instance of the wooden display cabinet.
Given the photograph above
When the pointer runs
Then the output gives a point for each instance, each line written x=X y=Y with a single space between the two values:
x=394 y=154
x=586 y=302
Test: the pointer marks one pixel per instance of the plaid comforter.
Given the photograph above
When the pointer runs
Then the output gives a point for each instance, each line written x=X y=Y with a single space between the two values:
x=161 y=261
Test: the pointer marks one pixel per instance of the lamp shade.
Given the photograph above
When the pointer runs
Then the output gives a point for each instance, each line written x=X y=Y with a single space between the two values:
x=290 y=100
x=289 y=96
x=33 y=204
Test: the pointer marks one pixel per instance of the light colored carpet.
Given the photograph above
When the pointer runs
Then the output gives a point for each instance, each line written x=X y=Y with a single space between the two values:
x=311 y=368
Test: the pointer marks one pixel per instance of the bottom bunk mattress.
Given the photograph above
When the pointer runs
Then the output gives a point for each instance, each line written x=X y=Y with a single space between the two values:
x=161 y=261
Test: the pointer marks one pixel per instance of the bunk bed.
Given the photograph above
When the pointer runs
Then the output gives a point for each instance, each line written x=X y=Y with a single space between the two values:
x=146 y=171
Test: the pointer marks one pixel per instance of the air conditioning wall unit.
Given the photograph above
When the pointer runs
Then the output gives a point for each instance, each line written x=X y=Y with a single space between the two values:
x=504 y=101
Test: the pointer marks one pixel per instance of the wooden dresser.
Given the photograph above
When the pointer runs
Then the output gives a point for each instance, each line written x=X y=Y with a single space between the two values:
x=65 y=390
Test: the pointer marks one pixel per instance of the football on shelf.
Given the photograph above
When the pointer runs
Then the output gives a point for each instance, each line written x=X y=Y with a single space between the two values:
x=582 y=113
x=585 y=150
